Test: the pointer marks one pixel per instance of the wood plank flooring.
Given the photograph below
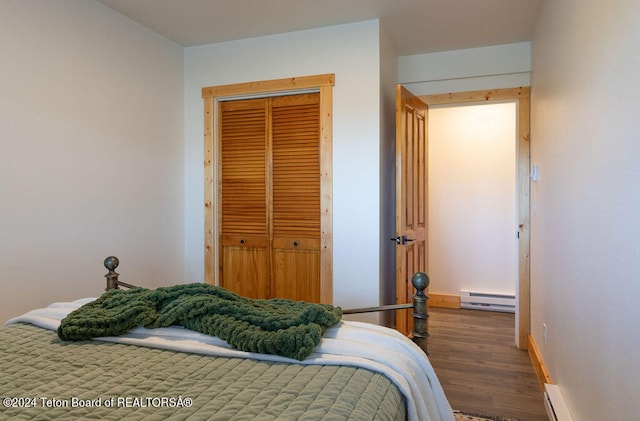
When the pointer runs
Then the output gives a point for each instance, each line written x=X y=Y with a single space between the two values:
x=481 y=370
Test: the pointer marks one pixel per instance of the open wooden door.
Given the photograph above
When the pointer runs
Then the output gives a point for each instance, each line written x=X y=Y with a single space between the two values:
x=411 y=198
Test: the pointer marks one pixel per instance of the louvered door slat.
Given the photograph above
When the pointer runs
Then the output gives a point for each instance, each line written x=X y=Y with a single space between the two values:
x=296 y=167
x=243 y=157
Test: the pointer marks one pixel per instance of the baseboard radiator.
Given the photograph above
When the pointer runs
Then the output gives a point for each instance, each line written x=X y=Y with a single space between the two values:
x=488 y=301
x=554 y=404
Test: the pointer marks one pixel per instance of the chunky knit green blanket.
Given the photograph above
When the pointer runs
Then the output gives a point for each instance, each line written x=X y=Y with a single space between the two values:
x=289 y=328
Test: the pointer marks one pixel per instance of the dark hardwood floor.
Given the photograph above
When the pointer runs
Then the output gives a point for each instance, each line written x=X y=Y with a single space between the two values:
x=481 y=370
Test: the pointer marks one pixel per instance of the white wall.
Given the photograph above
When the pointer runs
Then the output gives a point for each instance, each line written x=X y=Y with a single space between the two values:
x=352 y=52
x=90 y=147
x=472 y=198
x=388 y=81
x=585 y=230
x=494 y=67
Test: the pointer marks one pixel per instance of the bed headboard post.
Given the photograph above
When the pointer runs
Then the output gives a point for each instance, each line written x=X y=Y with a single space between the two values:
x=111 y=263
x=420 y=314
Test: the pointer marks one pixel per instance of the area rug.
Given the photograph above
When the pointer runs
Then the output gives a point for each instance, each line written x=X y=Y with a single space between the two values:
x=467 y=416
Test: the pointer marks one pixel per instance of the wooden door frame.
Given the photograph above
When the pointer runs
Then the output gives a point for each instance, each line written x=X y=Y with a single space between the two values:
x=212 y=95
x=521 y=96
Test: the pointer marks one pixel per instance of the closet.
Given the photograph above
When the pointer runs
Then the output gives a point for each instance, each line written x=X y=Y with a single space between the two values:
x=269 y=196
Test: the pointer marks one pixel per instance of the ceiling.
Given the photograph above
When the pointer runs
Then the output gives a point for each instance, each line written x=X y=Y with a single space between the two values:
x=414 y=26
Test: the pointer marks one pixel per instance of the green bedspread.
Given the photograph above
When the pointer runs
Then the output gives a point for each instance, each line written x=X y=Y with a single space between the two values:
x=91 y=380
x=283 y=327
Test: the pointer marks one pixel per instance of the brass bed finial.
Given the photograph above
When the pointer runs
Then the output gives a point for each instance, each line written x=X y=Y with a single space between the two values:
x=420 y=282
x=111 y=263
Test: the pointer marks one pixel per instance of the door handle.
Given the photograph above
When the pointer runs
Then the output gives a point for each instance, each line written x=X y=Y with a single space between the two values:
x=406 y=240
x=403 y=240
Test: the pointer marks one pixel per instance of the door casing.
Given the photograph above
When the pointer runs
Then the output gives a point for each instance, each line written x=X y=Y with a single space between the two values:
x=212 y=95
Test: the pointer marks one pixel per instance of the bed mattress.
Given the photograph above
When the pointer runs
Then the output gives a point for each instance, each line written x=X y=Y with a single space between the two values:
x=45 y=378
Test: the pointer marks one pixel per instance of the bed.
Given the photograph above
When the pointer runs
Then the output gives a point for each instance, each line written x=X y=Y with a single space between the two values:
x=357 y=371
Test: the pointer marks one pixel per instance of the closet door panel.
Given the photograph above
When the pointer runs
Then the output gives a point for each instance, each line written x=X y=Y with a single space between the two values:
x=245 y=270
x=296 y=268
x=243 y=193
x=295 y=134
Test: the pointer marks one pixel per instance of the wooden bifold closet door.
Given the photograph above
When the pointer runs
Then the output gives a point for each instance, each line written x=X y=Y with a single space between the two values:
x=269 y=191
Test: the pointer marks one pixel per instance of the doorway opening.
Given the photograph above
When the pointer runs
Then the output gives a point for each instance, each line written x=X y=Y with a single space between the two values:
x=500 y=232
x=472 y=198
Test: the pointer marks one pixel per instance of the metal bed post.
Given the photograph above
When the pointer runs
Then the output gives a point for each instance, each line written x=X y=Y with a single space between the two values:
x=420 y=282
x=420 y=314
